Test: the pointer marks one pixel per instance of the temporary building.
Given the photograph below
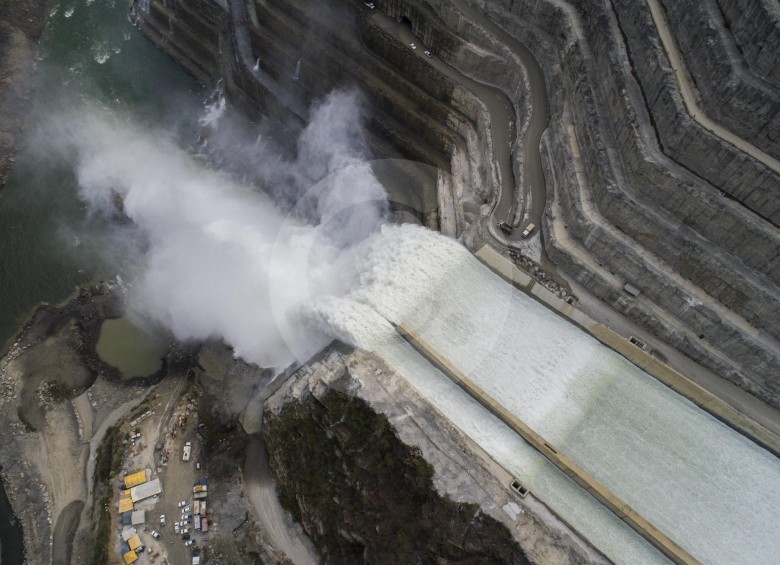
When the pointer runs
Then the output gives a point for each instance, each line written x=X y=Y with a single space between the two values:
x=145 y=490
x=136 y=478
x=134 y=542
x=127 y=533
x=138 y=517
x=130 y=557
x=125 y=505
x=127 y=518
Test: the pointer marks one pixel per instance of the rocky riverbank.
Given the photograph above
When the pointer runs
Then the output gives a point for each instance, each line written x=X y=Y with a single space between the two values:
x=54 y=393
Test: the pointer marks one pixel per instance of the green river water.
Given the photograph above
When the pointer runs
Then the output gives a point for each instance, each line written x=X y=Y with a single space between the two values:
x=89 y=54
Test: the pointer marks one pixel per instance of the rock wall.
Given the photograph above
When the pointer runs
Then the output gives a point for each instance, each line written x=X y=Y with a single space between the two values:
x=643 y=214
x=729 y=93
x=755 y=27
x=376 y=476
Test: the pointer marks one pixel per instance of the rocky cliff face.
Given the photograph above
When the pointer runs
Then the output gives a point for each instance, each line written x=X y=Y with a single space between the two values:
x=375 y=477
x=364 y=497
x=637 y=189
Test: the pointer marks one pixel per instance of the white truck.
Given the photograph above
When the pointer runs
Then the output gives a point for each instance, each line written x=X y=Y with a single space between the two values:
x=528 y=229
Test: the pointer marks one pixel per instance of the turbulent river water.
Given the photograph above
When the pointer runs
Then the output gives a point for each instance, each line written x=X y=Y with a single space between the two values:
x=89 y=52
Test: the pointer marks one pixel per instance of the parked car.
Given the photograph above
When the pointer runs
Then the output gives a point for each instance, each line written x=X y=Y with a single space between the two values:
x=428 y=54
x=176 y=529
x=189 y=542
x=182 y=504
x=156 y=534
x=162 y=519
x=413 y=46
x=185 y=536
x=186 y=510
x=185 y=531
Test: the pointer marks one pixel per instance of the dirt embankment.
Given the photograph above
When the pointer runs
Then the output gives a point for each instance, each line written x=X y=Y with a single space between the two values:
x=21 y=27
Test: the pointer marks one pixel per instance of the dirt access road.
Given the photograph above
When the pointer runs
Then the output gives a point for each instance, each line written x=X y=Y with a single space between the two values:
x=529 y=200
x=261 y=490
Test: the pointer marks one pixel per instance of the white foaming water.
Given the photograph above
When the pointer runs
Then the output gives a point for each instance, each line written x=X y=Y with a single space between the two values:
x=214 y=112
x=709 y=488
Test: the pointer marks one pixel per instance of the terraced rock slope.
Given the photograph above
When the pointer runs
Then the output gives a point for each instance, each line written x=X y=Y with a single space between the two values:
x=660 y=157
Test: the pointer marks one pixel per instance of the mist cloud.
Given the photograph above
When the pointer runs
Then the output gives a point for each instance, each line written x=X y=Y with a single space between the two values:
x=222 y=260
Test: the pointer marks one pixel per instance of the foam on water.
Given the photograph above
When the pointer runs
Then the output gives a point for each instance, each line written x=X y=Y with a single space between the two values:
x=709 y=488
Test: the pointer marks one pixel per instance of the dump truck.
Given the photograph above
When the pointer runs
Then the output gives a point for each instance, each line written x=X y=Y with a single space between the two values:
x=528 y=229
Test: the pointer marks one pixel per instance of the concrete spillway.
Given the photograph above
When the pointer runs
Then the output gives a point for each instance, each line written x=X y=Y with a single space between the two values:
x=599 y=491
x=711 y=490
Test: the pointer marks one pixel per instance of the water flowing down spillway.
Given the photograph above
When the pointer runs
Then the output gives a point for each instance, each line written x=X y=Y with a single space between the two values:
x=707 y=487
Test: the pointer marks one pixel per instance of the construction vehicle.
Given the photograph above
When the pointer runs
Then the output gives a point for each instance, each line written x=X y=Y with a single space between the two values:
x=505 y=226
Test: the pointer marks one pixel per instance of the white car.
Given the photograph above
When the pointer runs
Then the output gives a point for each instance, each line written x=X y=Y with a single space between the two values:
x=177 y=524
x=189 y=542
x=370 y=5
x=186 y=510
x=185 y=531
x=413 y=46
x=162 y=519
x=428 y=53
x=182 y=504
x=176 y=529
x=156 y=534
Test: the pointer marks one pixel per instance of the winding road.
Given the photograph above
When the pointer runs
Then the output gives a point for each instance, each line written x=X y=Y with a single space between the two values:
x=502 y=124
x=533 y=172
